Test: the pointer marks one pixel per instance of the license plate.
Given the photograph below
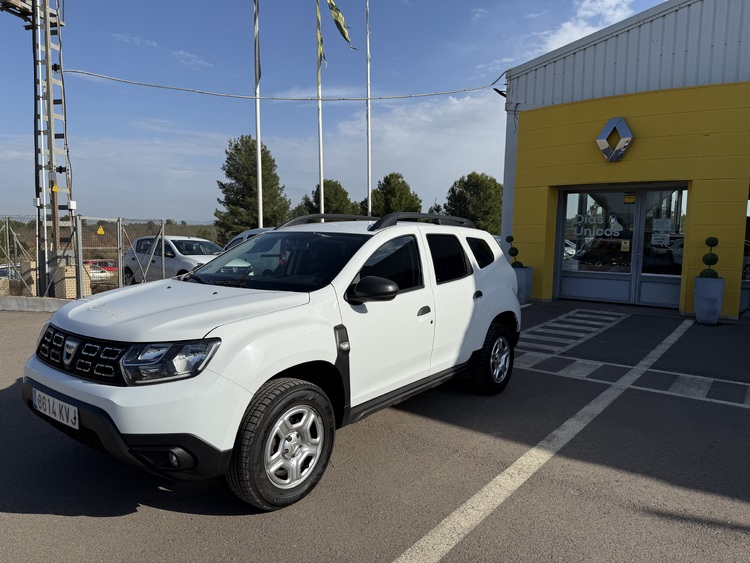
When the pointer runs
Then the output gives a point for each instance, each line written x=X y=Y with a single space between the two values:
x=55 y=409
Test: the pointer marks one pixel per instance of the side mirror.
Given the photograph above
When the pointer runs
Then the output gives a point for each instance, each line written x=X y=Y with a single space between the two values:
x=371 y=288
x=168 y=252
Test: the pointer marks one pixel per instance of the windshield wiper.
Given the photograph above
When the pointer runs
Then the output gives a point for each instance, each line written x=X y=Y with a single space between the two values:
x=193 y=276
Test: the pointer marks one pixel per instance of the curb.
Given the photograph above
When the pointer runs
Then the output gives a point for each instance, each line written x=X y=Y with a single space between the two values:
x=31 y=304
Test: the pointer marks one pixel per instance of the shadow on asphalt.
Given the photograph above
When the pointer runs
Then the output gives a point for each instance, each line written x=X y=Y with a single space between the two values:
x=42 y=471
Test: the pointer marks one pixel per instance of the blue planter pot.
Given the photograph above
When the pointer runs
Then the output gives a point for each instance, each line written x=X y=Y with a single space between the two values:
x=708 y=296
x=525 y=276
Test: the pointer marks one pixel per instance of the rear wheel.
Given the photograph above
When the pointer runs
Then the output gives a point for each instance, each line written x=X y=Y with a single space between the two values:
x=283 y=444
x=493 y=368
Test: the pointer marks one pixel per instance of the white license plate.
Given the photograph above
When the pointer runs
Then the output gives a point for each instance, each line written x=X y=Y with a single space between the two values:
x=53 y=408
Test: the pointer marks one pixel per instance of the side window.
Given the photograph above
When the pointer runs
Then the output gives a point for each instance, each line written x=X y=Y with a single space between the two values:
x=234 y=242
x=481 y=251
x=448 y=257
x=144 y=246
x=398 y=261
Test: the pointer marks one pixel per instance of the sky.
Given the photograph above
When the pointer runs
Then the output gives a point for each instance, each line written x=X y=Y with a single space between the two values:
x=156 y=153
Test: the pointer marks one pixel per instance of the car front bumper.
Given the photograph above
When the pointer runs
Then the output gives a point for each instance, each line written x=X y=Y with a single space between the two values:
x=187 y=435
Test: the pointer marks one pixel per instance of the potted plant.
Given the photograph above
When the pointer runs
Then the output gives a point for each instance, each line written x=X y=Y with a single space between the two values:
x=524 y=274
x=709 y=288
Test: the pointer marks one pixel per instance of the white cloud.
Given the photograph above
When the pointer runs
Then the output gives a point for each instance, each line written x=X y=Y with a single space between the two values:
x=589 y=16
x=170 y=172
x=431 y=142
x=133 y=39
x=190 y=61
x=478 y=14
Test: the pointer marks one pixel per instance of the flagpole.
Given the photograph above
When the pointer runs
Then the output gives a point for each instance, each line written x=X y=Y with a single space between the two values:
x=258 y=152
x=320 y=111
x=369 y=132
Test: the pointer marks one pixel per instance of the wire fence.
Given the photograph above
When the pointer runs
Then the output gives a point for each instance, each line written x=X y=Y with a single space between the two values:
x=87 y=262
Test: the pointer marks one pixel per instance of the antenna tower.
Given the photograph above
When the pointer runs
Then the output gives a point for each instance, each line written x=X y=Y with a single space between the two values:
x=52 y=162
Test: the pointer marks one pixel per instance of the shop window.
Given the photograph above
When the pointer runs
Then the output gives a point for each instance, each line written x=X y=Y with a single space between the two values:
x=598 y=232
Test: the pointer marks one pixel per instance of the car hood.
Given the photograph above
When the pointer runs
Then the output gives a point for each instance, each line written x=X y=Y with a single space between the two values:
x=168 y=310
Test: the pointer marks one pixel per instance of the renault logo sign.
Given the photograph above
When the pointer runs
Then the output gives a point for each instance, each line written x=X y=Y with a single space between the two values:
x=614 y=125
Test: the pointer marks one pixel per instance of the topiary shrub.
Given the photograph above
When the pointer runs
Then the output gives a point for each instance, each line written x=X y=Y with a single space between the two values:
x=513 y=252
x=710 y=259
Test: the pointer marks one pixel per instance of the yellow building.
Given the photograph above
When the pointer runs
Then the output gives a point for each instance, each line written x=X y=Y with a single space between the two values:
x=626 y=150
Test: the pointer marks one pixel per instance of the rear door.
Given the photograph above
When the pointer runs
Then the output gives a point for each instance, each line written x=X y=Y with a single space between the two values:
x=459 y=313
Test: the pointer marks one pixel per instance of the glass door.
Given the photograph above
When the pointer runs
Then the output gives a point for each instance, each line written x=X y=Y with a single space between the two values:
x=662 y=215
x=623 y=246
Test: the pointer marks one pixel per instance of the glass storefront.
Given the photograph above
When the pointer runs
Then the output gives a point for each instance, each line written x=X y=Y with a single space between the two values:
x=623 y=245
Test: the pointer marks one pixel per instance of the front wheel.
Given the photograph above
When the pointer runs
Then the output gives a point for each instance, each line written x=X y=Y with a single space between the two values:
x=283 y=444
x=492 y=370
x=128 y=278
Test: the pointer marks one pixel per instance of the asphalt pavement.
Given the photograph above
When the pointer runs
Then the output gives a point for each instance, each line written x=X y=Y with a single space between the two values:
x=720 y=351
x=623 y=436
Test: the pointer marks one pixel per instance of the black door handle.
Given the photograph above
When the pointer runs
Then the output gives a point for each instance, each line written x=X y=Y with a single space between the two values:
x=477 y=294
x=423 y=311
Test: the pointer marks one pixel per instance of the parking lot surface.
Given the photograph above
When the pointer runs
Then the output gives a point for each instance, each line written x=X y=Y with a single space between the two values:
x=622 y=436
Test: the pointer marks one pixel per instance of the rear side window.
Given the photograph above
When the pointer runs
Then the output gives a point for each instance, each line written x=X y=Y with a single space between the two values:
x=450 y=261
x=481 y=251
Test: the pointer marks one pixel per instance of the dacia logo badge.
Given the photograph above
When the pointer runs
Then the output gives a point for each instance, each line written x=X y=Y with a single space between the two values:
x=69 y=350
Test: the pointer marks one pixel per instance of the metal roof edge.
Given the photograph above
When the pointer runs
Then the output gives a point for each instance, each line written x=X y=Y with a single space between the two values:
x=610 y=31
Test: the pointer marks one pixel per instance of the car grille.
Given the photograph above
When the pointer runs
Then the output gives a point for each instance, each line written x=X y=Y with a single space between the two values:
x=87 y=358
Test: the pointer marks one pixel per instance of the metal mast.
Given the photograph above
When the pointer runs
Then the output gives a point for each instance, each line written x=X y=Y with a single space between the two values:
x=52 y=164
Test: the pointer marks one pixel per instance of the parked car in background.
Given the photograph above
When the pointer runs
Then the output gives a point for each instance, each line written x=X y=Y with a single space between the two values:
x=9 y=272
x=603 y=253
x=143 y=261
x=245 y=235
x=97 y=274
x=108 y=265
x=569 y=250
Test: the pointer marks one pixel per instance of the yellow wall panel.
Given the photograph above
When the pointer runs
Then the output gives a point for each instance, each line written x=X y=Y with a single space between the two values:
x=723 y=167
x=725 y=96
x=724 y=120
x=724 y=143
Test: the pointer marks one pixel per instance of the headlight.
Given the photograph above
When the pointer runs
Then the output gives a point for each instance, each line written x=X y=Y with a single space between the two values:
x=165 y=361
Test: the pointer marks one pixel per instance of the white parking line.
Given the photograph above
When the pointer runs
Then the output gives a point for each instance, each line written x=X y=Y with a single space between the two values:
x=456 y=526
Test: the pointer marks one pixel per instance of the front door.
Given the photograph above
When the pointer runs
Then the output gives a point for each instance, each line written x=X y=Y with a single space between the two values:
x=622 y=245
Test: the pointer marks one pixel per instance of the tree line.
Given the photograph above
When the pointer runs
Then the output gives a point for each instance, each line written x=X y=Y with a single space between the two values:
x=476 y=196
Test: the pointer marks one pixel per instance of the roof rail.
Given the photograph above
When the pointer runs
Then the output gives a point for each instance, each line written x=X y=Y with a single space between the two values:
x=393 y=218
x=321 y=217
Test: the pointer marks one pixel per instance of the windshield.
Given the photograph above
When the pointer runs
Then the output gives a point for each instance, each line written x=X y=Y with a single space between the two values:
x=283 y=261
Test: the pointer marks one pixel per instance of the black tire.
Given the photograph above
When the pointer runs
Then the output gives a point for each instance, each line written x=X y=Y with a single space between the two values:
x=492 y=370
x=284 y=412
x=128 y=278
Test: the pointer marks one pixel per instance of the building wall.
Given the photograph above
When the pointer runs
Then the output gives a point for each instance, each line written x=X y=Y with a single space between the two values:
x=698 y=135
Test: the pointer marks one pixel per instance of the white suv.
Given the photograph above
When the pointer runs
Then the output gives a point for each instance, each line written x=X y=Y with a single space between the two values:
x=154 y=258
x=247 y=366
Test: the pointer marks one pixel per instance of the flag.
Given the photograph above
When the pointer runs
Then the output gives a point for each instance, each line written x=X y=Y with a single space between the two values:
x=321 y=54
x=338 y=17
x=257 y=46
